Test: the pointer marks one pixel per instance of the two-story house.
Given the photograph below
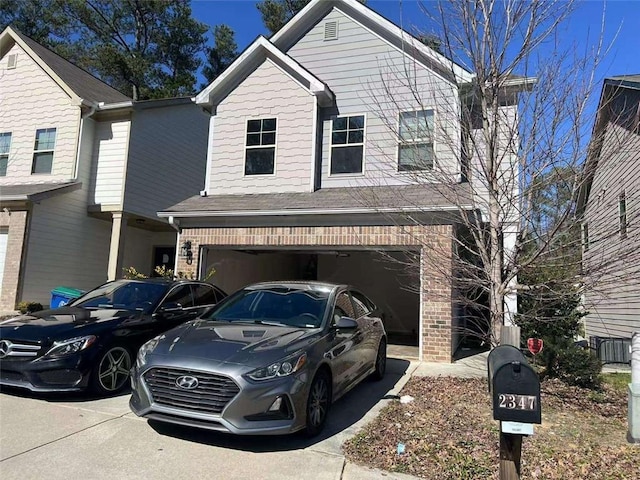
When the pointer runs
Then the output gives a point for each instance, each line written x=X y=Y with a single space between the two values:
x=609 y=207
x=323 y=147
x=83 y=171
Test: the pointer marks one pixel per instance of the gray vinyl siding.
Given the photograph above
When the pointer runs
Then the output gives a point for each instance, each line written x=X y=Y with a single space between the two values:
x=64 y=245
x=267 y=92
x=31 y=100
x=110 y=161
x=369 y=76
x=613 y=302
x=167 y=157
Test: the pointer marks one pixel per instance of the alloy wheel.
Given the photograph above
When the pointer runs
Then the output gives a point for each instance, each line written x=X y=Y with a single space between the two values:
x=318 y=402
x=380 y=366
x=113 y=370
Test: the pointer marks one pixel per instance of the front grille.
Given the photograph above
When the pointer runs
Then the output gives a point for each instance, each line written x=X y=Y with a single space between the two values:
x=211 y=395
x=18 y=350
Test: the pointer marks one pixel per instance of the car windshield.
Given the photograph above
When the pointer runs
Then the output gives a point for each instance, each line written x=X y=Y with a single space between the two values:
x=297 y=307
x=123 y=295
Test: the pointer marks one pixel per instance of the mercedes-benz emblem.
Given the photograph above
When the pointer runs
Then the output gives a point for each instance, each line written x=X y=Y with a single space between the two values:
x=187 y=382
x=5 y=348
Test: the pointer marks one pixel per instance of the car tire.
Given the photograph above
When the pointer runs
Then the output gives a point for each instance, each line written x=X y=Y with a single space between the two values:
x=110 y=374
x=380 y=365
x=318 y=403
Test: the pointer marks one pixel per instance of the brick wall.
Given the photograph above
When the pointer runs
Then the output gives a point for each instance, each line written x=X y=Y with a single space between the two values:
x=16 y=221
x=434 y=242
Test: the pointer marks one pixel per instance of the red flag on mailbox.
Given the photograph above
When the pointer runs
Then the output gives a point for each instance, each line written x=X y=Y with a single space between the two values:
x=535 y=345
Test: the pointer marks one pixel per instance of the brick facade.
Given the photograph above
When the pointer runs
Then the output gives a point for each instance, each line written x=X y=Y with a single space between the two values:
x=434 y=242
x=16 y=222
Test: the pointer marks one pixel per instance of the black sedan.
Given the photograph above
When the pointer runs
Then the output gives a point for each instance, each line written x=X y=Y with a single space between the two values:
x=90 y=343
x=270 y=359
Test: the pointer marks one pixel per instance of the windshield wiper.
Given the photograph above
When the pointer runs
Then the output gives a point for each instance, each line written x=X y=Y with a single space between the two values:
x=270 y=323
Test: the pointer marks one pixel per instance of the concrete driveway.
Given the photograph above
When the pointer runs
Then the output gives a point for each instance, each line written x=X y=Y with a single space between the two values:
x=65 y=437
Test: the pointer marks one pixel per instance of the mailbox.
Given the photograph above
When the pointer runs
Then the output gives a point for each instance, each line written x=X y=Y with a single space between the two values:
x=514 y=385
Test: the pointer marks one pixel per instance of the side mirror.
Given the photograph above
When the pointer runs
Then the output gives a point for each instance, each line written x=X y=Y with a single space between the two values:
x=346 y=323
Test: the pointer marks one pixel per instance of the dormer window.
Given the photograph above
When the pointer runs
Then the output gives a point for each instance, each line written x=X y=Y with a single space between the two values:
x=43 y=150
x=260 y=152
x=5 y=145
x=347 y=144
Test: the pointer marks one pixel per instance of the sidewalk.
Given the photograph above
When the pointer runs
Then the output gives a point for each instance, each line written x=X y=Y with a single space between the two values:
x=474 y=366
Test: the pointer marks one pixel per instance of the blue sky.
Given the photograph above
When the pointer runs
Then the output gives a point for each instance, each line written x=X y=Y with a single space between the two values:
x=622 y=25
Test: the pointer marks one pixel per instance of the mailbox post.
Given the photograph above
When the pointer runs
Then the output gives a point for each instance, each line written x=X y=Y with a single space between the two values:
x=515 y=391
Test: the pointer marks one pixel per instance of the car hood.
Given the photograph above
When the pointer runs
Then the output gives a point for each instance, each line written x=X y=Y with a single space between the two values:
x=59 y=322
x=239 y=343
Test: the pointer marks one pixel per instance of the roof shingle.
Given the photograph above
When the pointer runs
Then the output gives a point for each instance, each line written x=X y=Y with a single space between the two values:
x=85 y=85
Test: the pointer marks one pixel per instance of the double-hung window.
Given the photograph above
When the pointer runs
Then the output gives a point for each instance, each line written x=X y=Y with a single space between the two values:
x=5 y=145
x=43 y=150
x=415 y=150
x=260 y=147
x=347 y=144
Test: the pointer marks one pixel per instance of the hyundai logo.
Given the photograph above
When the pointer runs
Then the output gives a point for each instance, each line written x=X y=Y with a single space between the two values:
x=187 y=382
x=5 y=348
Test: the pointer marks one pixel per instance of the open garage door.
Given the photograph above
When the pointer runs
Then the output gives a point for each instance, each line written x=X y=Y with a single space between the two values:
x=388 y=279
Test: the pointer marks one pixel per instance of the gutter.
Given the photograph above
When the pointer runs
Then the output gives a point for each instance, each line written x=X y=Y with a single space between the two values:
x=114 y=106
x=309 y=211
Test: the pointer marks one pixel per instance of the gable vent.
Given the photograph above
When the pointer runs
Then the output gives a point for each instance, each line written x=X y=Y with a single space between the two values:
x=12 y=61
x=331 y=30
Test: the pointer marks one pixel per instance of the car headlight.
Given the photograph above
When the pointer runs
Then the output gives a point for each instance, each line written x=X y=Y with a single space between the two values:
x=285 y=367
x=69 y=346
x=145 y=349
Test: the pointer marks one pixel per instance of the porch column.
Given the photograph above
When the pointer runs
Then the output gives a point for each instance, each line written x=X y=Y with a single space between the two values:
x=116 y=251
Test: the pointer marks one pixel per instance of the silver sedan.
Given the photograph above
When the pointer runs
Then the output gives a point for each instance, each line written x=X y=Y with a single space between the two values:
x=270 y=359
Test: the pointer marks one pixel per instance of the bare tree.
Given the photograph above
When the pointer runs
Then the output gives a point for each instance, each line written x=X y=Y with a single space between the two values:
x=509 y=152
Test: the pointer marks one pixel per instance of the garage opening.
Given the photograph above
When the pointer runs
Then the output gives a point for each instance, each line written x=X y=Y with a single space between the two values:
x=389 y=278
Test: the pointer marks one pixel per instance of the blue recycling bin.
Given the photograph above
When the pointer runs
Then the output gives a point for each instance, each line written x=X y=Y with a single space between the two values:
x=60 y=296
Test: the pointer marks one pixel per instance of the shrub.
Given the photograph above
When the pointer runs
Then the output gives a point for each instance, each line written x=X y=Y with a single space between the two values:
x=131 y=273
x=29 y=307
x=576 y=366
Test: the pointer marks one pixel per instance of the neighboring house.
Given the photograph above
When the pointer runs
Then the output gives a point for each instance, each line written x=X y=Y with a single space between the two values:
x=305 y=179
x=83 y=171
x=609 y=206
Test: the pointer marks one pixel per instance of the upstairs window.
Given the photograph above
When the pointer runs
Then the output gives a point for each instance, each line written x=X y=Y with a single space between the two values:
x=5 y=145
x=415 y=150
x=260 y=147
x=347 y=144
x=622 y=211
x=43 y=150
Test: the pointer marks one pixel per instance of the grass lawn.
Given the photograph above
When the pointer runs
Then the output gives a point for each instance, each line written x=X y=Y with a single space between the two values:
x=619 y=381
x=449 y=433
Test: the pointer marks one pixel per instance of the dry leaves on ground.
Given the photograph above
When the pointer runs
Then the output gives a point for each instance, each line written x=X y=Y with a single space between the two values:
x=449 y=433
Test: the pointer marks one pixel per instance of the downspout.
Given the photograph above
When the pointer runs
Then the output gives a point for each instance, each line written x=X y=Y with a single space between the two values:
x=92 y=110
x=175 y=223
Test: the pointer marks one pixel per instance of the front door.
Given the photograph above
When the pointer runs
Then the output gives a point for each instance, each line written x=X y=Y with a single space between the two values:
x=163 y=257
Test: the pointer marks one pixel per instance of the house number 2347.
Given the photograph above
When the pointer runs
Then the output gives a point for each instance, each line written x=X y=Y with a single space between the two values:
x=512 y=401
